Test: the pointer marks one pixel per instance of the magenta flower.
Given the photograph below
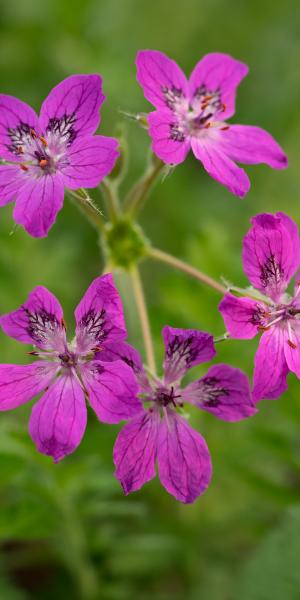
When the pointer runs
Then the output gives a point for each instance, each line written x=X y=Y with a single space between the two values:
x=271 y=256
x=158 y=433
x=68 y=372
x=54 y=151
x=191 y=114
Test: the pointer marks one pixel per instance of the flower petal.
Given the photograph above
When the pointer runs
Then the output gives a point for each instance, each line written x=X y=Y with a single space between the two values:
x=20 y=383
x=11 y=181
x=218 y=72
x=89 y=160
x=73 y=104
x=185 y=348
x=291 y=347
x=241 y=316
x=271 y=253
x=169 y=142
x=252 y=145
x=163 y=82
x=135 y=451
x=99 y=315
x=112 y=390
x=221 y=73
x=224 y=391
x=38 y=203
x=16 y=121
x=184 y=463
x=219 y=166
x=58 y=419
x=270 y=372
x=129 y=355
x=38 y=321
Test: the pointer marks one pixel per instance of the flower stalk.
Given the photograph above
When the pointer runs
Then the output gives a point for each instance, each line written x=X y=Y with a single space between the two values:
x=177 y=263
x=143 y=315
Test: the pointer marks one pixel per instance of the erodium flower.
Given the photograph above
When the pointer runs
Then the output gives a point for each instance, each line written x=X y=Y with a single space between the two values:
x=192 y=114
x=158 y=432
x=271 y=256
x=53 y=151
x=67 y=372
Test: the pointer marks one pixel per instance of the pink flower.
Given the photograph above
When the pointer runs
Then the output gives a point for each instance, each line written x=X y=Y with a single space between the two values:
x=52 y=151
x=68 y=372
x=191 y=114
x=271 y=256
x=158 y=433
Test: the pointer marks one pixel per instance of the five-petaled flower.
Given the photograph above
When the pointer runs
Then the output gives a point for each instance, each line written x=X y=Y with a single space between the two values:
x=158 y=433
x=192 y=114
x=57 y=150
x=69 y=372
x=271 y=256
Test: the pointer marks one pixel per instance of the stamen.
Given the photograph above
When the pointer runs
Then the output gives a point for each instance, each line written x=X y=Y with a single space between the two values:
x=223 y=106
x=23 y=167
x=43 y=163
x=63 y=324
x=262 y=328
x=33 y=134
x=207 y=126
x=44 y=142
x=225 y=128
x=292 y=345
x=19 y=150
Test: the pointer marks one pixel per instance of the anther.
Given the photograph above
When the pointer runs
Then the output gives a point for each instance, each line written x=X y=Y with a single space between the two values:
x=23 y=167
x=44 y=142
x=225 y=128
x=292 y=345
x=207 y=126
x=223 y=106
x=33 y=134
x=20 y=150
x=63 y=324
x=43 y=163
x=33 y=353
x=262 y=328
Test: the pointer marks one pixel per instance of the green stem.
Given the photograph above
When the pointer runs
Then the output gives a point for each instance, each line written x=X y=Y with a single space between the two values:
x=87 y=207
x=182 y=266
x=143 y=315
x=109 y=191
x=138 y=194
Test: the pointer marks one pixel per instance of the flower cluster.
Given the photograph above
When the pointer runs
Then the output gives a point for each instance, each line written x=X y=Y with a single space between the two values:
x=43 y=156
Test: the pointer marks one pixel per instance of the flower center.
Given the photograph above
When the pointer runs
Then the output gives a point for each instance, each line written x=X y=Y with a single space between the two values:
x=164 y=396
x=68 y=359
x=43 y=155
x=195 y=117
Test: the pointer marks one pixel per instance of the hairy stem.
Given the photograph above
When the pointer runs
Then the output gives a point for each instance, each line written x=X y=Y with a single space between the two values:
x=138 y=194
x=87 y=207
x=182 y=266
x=143 y=315
x=109 y=192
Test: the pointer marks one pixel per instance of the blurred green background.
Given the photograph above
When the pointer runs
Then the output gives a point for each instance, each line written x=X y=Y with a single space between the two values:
x=66 y=531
